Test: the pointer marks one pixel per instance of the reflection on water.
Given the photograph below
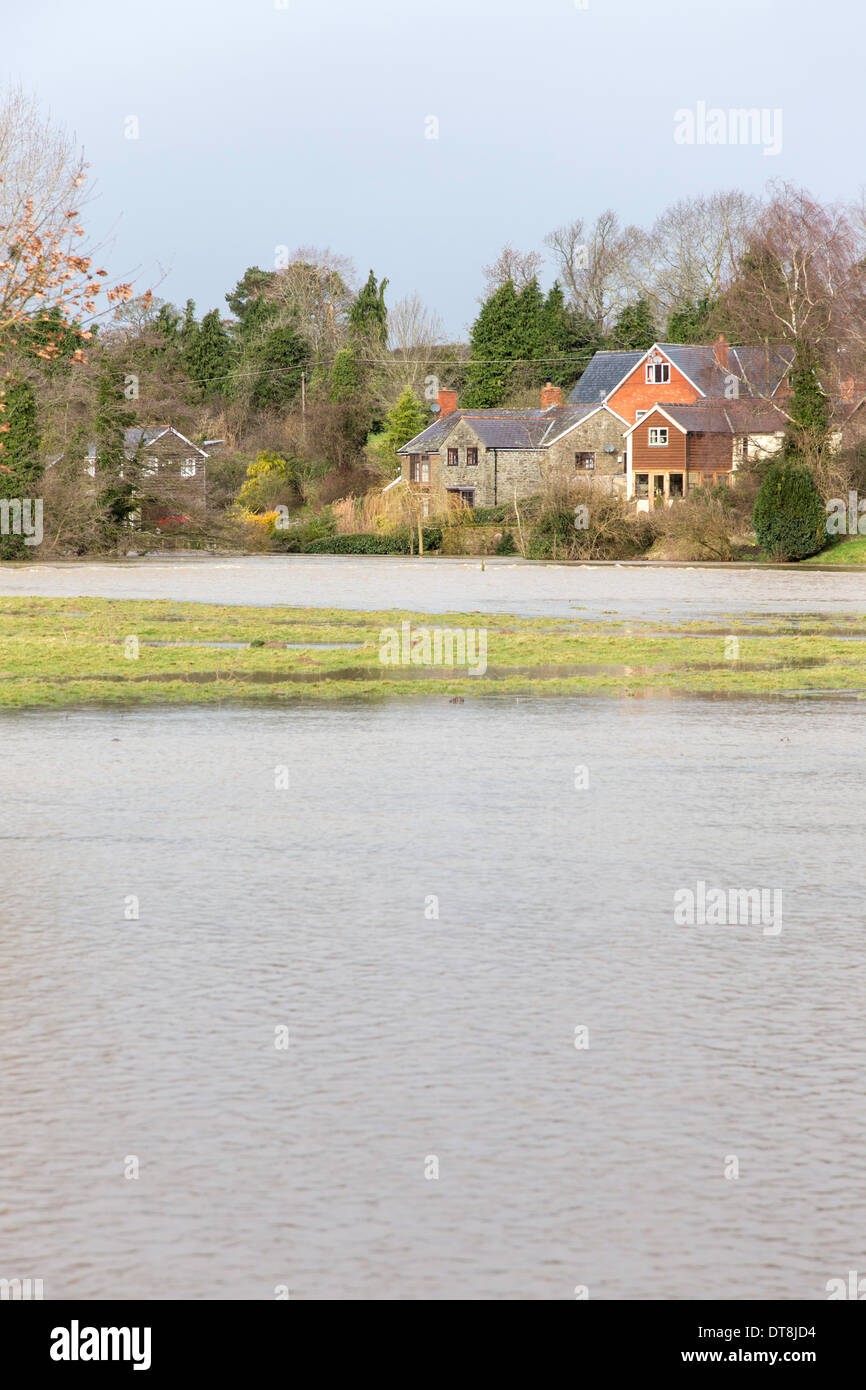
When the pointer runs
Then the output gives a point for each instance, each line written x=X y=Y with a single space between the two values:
x=413 y=1034
x=454 y=585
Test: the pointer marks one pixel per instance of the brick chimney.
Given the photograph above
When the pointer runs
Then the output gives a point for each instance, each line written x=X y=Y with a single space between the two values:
x=720 y=352
x=550 y=395
x=447 y=403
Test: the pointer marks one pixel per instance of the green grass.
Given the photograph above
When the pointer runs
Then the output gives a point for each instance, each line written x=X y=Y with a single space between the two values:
x=64 y=652
x=851 y=551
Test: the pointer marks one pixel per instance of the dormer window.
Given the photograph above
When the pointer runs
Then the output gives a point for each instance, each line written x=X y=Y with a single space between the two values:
x=658 y=373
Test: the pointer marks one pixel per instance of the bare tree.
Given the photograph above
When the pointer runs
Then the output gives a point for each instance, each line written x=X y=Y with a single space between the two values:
x=517 y=266
x=802 y=283
x=43 y=270
x=315 y=290
x=597 y=265
x=415 y=334
x=694 y=249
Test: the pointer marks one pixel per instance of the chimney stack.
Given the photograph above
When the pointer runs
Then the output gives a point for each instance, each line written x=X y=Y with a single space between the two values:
x=721 y=352
x=447 y=403
x=550 y=395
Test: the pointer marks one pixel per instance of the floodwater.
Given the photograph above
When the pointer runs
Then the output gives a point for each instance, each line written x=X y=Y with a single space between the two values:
x=430 y=585
x=441 y=896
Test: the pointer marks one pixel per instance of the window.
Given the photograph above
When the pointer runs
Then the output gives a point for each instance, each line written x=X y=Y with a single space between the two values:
x=414 y=465
x=471 y=457
x=150 y=465
x=675 y=485
x=584 y=461
x=639 y=414
x=658 y=485
x=187 y=468
x=658 y=373
x=425 y=470
x=641 y=485
x=91 y=465
x=463 y=496
x=658 y=437
x=452 y=458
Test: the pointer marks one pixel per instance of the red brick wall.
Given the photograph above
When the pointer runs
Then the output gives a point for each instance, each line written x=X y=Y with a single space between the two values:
x=635 y=394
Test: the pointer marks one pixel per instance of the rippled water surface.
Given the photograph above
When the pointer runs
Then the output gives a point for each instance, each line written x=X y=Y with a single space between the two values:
x=438 y=585
x=412 y=1035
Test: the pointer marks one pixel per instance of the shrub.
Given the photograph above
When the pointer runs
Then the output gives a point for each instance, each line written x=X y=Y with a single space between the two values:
x=700 y=527
x=395 y=543
x=505 y=545
x=308 y=527
x=789 y=517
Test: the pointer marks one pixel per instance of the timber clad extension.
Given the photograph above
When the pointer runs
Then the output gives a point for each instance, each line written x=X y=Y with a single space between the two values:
x=677 y=447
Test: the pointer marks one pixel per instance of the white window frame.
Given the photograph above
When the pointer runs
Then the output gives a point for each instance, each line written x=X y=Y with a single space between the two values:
x=187 y=468
x=640 y=415
x=658 y=431
x=652 y=371
x=152 y=466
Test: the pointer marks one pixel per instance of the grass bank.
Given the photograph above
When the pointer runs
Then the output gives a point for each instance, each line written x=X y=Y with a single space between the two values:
x=851 y=551
x=66 y=652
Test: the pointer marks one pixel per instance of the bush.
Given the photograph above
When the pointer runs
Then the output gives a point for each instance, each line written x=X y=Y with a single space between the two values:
x=700 y=527
x=299 y=534
x=363 y=543
x=789 y=517
x=505 y=545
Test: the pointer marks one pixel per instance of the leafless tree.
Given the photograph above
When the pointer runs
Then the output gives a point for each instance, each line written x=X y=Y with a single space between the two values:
x=596 y=265
x=415 y=334
x=694 y=249
x=315 y=290
x=517 y=266
x=802 y=283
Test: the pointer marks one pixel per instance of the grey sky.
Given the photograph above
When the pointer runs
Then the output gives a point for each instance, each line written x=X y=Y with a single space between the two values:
x=262 y=126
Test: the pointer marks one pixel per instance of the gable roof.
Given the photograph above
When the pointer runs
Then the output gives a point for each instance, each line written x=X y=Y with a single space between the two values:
x=759 y=371
x=718 y=416
x=605 y=371
x=532 y=427
x=137 y=437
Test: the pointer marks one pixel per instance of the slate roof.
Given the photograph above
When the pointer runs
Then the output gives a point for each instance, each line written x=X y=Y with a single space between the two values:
x=757 y=371
x=136 y=437
x=605 y=371
x=721 y=416
x=529 y=428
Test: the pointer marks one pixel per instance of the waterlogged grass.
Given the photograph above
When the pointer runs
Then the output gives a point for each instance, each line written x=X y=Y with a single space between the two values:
x=60 y=652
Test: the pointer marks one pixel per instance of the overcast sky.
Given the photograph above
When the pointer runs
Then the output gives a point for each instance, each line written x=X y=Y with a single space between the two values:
x=262 y=126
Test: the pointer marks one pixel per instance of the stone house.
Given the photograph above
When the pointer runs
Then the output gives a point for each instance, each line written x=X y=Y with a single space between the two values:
x=486 y=457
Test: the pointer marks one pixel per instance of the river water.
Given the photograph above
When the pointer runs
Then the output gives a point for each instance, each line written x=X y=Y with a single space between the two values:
x=431 y=585
x=431 y=908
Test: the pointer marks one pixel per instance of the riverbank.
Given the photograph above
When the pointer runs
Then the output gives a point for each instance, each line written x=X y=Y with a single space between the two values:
x=57 y=652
